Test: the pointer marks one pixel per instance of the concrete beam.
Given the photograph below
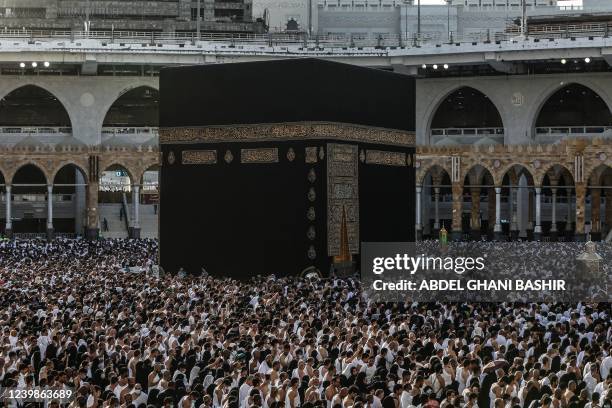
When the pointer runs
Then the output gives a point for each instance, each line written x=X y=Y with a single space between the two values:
x=502 y=57
x=549 y=54
x=606 y=53
x=403 y=69
x=508 y=67
x=89 y=66
x=497 y=62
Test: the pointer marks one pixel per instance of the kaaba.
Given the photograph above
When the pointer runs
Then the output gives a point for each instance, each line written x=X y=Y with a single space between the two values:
x=283 y=167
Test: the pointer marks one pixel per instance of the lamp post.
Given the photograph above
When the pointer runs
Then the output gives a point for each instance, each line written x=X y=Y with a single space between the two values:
x=418 y=20
x=524 y=19
x=87 y=22
x=448 y=30
x=198 y=20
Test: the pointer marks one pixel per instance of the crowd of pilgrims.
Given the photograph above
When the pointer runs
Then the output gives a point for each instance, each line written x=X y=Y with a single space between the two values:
x=74 y=316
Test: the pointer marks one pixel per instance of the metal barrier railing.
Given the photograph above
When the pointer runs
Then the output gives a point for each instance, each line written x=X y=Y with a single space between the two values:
x=29 y=130
x=66 y=131
x=235 y=40
x=42 y=235
x=467 y=131
x=29 y=235
x=68 y=235
x=573 y=130
x=152 y=131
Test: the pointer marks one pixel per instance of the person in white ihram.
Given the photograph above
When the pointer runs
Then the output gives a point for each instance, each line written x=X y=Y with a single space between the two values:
x=292 y=400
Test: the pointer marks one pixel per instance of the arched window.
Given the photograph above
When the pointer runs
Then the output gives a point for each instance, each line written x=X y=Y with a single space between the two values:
x=466 y=116
x=574 y=105
x=31 y=105
x=466 y=108
x=138 y=107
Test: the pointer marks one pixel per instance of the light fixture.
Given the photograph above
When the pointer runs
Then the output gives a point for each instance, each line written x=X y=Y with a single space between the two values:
x=34 y=65
x=435 y=66
x=587 y=60
x=445 y=66
x=563 y=61
x=22 y=65
x=423 y=66
x=46 y=64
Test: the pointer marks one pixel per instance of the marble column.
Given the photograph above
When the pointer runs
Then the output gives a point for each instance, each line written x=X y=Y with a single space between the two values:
x=530 y=213
x=596 y=214
x=457 y=230
x=8 y=227
x=497 y=230
x=92 y=229
x=568 y=224
x=608 y=214
x=419 y=225
x=80 y=202
x=491 y=208
x=580 y=211
x=50 y=212
x=510 y=204
x=436 y=210
x=426 y=196
x=553 y=225
x=523 y=210
x=537 y=231
x=475 y=213
x=136 y=220
x=514 y=228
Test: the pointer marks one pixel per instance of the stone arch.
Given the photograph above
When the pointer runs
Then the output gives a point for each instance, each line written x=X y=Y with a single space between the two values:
x=519 y=201
x=70 y=193
x=540 y=175
x=437 y=187
x=597 y=171
x=11 y=175
x=65 y=163
x=435 y=104
x=476 y=183
x=473 y=166
x=30 y=184
x=30 y=179
x=598 y=214
x=119 y=163
x=124 y=93
x=114 y=186
x=149 y=165
x=544 y=97
x=111 y=187
x=427 y=170
x=590 y=170
x=149 y=181
x=501 y=174
x=442 y=172
x=65 y=103
x=3 y=181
